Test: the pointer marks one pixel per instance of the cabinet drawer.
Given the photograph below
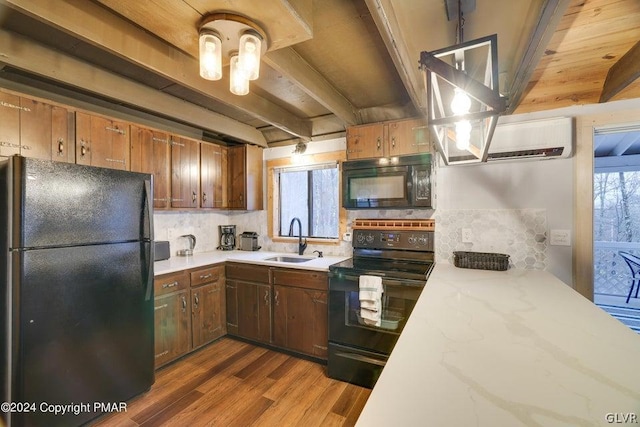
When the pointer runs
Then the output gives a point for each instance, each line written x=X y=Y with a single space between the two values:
x=301 y=278
x=171 y=282
x=248 y=272
x=207 y=275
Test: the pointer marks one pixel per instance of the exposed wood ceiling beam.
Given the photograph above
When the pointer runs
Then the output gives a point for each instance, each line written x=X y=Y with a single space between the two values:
x=550 y=17
x=407 y=67
x=57 y=66
x=621 y=74
x=96 y=25
x=288 y=62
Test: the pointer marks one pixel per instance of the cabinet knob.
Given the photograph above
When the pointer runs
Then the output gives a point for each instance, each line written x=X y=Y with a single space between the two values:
x=194 y=197
x=266 y=297
x=204 y=196
x=276 y=298
x=60 y=147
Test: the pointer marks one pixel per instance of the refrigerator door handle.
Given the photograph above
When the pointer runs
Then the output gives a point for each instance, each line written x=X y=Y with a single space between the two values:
x=148 y=199
x=149 y=213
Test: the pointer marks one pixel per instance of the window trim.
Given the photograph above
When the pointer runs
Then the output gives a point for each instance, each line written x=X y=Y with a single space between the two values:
x=273 y=202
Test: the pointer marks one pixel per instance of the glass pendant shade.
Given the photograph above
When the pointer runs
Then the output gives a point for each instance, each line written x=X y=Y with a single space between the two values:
x=238 y=81
x=249 y=55
x=210 y=56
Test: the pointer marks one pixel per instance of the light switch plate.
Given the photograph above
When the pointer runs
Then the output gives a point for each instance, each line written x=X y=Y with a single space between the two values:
x=346 y=237
x=560 y=238
x=467 y=235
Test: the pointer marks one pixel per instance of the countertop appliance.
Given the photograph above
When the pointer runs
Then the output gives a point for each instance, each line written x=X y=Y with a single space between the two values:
x=77 y=301
x=249 y=241
x=395 y=182
x=227 y=237
x=162 y=250
x=400 y=251
x=188 y=243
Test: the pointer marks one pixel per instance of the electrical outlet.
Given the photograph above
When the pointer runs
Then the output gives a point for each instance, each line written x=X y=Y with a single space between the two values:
x=467 y=235
x=346 y=237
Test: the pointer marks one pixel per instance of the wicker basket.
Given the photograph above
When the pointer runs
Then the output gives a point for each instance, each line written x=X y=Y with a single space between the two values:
x=481 y=260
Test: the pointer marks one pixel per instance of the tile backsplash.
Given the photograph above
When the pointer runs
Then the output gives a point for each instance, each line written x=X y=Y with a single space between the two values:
x=520 y=233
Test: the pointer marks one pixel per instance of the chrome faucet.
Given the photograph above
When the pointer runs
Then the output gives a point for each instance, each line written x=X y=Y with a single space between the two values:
x=301 y=246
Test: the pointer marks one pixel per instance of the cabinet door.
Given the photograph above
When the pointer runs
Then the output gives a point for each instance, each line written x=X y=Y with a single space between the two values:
x=221 y=178
x=254 y=311
x=185 y=172
x=9 y=124
x=172 y=326
x=210 y=163
x=150 y=154
x=237 y=177
x=300 y=320
x=208 y=309
x=232 y=307
x=61 y=135
x=102 y=142
x=35 y=129
x=408 y=137
x=365 y=141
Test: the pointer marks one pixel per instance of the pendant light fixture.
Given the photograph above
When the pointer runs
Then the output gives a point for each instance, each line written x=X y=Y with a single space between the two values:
x=463 y=98
x=227 y=38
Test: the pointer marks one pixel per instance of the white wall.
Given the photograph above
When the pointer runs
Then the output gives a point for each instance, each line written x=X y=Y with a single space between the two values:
x=519 y=185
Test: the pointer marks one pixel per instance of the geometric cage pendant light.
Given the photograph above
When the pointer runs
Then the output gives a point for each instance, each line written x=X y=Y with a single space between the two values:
x=226 y=38
x=463 y=98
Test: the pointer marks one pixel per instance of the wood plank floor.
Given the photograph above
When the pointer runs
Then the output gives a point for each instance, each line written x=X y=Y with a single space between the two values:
x=232 y=383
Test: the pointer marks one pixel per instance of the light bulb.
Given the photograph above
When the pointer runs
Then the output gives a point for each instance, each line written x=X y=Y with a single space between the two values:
x=461 y=102
x=238 y=81
x=463 y=134
x=210 y=48
x=249 y=55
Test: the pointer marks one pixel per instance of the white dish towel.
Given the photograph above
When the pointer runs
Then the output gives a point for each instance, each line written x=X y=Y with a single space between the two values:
x=371 y=299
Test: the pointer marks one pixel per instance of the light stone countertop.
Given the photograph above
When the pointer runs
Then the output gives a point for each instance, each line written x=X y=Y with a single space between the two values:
x=514 y=348
x=178 y=263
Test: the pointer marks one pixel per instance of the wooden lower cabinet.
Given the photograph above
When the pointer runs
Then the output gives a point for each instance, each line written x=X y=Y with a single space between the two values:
x=172 y=317
x=300 y=320
x=286 y=308
x=208 y=305
x=249 y=301
x=189 y=311
x=300 y=312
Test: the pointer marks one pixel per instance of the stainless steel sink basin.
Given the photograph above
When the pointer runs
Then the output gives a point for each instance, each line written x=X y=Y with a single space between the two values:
x=287 y=259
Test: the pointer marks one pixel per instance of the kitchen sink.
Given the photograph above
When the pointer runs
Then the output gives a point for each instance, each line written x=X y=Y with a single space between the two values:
x=287 y=259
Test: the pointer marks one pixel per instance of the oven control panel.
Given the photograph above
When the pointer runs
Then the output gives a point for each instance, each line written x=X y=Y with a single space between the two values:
x=376 y=239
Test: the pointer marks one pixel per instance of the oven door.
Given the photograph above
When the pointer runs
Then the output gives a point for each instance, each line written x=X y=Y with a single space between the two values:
x=377 y=187
x=347 y=327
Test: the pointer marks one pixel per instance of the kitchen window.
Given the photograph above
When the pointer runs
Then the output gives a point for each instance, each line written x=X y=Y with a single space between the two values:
x=309 y=190
x=311 y=194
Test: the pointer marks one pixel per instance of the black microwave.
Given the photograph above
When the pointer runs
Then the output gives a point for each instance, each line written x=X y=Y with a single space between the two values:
x=389 y=182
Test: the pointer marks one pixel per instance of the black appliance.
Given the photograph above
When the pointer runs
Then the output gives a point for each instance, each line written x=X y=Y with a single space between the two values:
x=227 y=237
x=401 y=253
x=77 y=295
x=388 y=182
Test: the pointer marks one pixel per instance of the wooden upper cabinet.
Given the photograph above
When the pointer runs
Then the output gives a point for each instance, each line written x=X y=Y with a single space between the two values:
x=213 y=176
x=102 y=142
x=150 y=153
x=9 y=124
x=45 y=131
x=408 y=137
x=185 y=172
x=396 y=138
x=34 y=129
x=365 y=141
x=245 y=177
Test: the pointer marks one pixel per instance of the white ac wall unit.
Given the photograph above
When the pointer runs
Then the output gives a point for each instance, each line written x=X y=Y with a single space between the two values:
x=530 y=140
x=536 y=139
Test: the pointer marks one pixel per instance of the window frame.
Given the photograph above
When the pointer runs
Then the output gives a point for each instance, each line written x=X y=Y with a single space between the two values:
x=273 y=196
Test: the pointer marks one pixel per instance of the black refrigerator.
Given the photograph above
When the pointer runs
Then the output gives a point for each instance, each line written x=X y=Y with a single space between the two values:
x=76 y=292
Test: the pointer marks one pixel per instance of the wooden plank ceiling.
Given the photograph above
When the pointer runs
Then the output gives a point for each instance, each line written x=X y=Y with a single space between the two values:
x=329 y=64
